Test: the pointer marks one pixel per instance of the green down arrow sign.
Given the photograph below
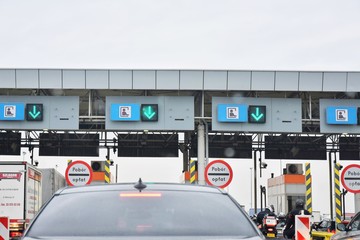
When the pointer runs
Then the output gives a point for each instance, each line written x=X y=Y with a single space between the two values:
x=149 y=112
x=34 y=112
x=257 y=114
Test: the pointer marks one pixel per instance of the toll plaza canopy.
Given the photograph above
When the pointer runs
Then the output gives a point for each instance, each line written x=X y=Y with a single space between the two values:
x=284 y=105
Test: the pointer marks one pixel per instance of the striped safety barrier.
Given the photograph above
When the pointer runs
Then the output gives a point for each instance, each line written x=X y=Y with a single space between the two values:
x=4 y=228
x=302 y=227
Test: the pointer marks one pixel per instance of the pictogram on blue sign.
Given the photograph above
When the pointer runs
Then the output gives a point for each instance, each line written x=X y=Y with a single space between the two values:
x=341 y=115
x=125 y=112
x=232 y=113
x=12 y=111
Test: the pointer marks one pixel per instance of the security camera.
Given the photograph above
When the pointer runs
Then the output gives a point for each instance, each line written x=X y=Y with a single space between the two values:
x=264 y=165
x=36 y=162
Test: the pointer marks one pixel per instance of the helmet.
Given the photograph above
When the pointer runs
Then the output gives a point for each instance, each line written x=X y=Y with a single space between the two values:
x=299 y=203
x=270 y=207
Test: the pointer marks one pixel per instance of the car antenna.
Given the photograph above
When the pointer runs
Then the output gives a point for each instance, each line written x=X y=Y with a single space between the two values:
x=139 y=185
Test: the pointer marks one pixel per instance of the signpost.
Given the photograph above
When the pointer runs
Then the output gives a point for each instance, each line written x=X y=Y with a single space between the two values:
x=218 y=173
x=78 y=173
x=350 y=178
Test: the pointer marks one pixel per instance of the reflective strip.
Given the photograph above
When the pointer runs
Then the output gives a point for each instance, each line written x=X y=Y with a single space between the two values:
x=302 y=227
x=337 y=193
x=4 y=228
x=107 y=171
x=192 y=171
x=308 y=187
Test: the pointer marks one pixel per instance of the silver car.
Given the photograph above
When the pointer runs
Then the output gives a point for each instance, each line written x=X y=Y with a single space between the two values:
x=351 y=231
x=142 y=211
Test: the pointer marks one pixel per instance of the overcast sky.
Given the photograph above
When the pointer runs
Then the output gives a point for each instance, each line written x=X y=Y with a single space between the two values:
x=181 y=34
x=184 y=34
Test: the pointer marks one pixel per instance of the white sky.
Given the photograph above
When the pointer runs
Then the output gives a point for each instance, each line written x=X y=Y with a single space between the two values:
x=181 y=34
x=185 y=34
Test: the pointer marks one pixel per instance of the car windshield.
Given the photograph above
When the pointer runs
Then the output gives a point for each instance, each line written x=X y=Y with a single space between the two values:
x=160 y=213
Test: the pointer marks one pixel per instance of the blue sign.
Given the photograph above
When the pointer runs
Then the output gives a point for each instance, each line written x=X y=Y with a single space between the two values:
x=341 y=115
x=125 y=112
x=232 y=113
x=12 y=111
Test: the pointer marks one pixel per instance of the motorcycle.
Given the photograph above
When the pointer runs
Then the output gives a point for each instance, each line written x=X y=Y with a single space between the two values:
x=268 y=226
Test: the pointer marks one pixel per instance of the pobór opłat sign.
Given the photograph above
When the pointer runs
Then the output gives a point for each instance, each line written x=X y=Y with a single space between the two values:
x=350 y=178
x=78 y=173
x=218 y=173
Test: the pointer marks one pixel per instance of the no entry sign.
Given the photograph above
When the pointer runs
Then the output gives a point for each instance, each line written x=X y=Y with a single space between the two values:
x=350 y=178
x=78 y=173
x=218 y=173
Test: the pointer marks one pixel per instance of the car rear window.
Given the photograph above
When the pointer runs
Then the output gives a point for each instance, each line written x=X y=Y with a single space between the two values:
x=165 y=213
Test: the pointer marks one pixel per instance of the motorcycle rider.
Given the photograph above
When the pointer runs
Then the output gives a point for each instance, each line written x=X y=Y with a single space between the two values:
x=289 y=230
x=269 y=211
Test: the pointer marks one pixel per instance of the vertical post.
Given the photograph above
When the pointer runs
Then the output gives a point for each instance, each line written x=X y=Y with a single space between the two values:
x=308 y=187
x=260 y=165
x=264 y=191
x=116 y=173
x=343 y=193
x=357 y=201
x=331 y=189
x=192 y=171
x=261 y=198
x=107 y=167
x=107 y=171
x=251 y=193
x=255 y=184
x=201 y=153
x=69 y=161
x=337 y=192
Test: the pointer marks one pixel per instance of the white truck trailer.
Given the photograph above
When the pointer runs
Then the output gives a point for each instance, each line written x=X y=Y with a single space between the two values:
x=52 y=181
x=20 y=194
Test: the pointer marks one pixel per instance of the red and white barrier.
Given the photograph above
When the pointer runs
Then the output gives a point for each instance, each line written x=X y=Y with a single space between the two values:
x=4 y=228
x=302 y=227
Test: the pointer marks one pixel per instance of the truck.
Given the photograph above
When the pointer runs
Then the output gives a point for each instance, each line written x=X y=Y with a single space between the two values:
x=52 y=181
x=20 y=194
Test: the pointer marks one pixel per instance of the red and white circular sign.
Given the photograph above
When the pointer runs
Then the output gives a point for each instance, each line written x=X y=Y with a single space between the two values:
x=78 y=173
x=350 y=178
x=218 y=173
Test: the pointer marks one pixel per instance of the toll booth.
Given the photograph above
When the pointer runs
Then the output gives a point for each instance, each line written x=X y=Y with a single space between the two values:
x=285 y=189
x=185 y=177
x=99 y=173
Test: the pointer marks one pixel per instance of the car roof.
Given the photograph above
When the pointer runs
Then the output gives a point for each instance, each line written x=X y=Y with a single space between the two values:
x=149 y=186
